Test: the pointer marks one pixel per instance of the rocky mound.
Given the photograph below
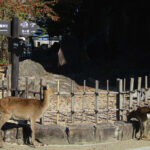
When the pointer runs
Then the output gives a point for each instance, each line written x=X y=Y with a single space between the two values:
x=29 y=68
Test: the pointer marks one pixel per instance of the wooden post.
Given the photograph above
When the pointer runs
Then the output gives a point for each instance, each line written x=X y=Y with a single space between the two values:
x=14 y=56
x=139 y=90
x=131 y=93
x=119 y=101
x=8 y=85
x=107 y=100
x=72 y=101
x=2 y=85
x=146 y=90
x=124 y=90
x=83 y=99
x=33 y=85
x=58 y=101
x=41 y=97
x=96 y=100
x=27 y=89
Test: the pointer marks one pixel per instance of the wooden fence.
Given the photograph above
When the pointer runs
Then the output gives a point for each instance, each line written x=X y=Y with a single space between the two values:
x=87 y=104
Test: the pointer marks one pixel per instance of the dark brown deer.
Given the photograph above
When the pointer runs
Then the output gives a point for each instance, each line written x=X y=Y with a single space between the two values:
x=24 y=109
x=142 y=114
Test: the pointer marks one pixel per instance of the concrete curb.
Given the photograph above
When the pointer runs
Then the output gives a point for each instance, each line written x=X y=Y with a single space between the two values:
x=73 y=134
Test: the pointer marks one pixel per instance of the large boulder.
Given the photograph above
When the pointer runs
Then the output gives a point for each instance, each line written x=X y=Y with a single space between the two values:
x=80 y=133
x=105 y=132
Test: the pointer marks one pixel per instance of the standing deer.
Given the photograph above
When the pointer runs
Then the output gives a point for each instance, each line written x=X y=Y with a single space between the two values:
x=143 y=115
x=24 y=109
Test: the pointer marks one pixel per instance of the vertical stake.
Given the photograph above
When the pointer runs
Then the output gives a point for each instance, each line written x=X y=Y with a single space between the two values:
x=131 y=94
x=83 y=99
x=119 y=101
x=139 y=91
x=27 y=88
x=8 y=85
x=58 y=101
x=41 y=97
x=96 y=100
x=72 y=101
x=2 y=85
x=146 y=89
x=107 y=100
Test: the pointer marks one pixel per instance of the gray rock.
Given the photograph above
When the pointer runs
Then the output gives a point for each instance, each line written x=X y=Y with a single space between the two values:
x=51 y=134
x=105 y=132
x=81 y=134
x=124 y=131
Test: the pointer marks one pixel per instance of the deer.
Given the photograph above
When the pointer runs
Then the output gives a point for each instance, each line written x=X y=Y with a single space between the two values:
x=142 y=114
x=20 y=108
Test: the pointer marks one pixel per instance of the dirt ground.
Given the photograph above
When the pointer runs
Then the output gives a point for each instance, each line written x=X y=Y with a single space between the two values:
x=117 y=145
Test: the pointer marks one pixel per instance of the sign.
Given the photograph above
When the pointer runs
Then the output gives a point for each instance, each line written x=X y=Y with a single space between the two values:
x=27 y=28
x=5 y=28
x=24 y=29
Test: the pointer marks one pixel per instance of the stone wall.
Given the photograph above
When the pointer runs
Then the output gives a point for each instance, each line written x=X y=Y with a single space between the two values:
x=73 y=134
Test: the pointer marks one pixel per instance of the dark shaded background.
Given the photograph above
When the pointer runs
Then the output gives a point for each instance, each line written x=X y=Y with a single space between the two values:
x=108 y=39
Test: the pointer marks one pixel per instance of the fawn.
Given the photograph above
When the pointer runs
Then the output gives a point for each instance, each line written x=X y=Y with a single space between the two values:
x=24 y=109
x=143 y=115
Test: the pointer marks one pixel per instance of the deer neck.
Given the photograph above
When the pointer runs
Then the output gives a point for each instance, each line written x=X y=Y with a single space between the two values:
x=45 y=101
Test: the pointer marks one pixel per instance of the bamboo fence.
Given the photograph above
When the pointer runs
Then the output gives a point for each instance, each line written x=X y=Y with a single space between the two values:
x=124 y=98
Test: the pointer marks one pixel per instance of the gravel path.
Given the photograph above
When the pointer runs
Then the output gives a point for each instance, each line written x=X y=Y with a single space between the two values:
x=118 y=145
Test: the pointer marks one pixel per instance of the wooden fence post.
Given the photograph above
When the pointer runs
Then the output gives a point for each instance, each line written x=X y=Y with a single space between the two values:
x=83 y=99
x=58 y=101
x=2 y=85
x=131 y=94
x=41 y=97
x=96 y=100
x=107 y=100
x=124 y=90
x=8 y=85
x=139 y=91
x=72 y=101
x=27 y=88
x=119 y=101
x=146 y=90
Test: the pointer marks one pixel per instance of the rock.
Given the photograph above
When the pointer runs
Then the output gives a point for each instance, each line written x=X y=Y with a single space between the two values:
x=29 y=68
x=124 y=131
x=36 y=71
x=51 y=134
x=73 y=134
x=81 y=133
x=105 y=132
x=13 y=133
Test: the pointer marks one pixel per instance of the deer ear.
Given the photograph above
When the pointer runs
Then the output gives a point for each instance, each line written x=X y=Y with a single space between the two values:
x=47 y=86
x=128 y=112
x=44 y=88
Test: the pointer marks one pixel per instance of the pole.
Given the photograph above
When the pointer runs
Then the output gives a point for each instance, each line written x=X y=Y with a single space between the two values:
x=14 y=57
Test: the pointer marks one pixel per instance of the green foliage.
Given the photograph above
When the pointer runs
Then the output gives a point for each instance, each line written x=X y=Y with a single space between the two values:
x=4 y=62
x=27 y=9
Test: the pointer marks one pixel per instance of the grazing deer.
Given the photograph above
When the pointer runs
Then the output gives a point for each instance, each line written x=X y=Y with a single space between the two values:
x=24 y=109
x=143 y=115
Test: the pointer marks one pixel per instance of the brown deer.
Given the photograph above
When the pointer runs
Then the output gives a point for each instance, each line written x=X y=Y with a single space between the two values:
x=142 y=114
x=24 y=109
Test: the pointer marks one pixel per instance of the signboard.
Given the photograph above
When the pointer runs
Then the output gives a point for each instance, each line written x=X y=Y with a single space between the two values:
x=27 y=28
x=5 y=28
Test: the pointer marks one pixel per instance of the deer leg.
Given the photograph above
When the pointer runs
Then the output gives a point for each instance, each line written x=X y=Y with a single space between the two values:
x=33 y=132
x=144 y=132
x=3 y=118
x=141 y=130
